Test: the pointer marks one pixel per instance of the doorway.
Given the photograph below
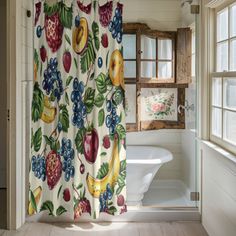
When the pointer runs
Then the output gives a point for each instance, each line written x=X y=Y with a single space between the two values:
x=3 y=116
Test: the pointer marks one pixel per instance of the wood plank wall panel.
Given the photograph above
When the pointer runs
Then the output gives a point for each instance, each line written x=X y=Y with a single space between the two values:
x=218 y=193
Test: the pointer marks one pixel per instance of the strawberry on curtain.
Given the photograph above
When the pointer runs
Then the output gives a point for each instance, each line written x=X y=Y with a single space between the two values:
x=78 y=157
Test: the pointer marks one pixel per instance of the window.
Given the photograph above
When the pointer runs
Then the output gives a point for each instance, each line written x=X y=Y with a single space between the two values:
x=153 y=91
x=157 y=57
x=223 y=80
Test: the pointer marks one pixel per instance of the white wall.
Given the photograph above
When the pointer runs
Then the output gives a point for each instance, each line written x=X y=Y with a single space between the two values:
x=158 y=14
x=218 y=191
x=3 y=95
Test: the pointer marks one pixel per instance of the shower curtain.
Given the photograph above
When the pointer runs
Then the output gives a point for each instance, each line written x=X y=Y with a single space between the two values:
x=78 y=157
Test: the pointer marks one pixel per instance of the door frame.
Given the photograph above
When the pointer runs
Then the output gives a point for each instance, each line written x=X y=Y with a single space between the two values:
x=15 y=168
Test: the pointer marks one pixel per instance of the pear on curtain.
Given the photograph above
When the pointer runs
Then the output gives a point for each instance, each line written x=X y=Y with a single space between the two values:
x=78 y=157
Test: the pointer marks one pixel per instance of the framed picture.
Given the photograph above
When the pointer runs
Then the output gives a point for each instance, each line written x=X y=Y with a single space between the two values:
x=159 y=104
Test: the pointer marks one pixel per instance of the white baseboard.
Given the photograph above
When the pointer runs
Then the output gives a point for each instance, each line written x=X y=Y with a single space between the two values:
x=134 y=214
x=3 y=179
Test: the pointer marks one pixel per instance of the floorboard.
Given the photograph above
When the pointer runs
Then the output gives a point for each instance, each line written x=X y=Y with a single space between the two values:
x=114 y=229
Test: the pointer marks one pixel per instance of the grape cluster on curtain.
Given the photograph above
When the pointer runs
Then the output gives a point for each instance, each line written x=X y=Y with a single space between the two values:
x=78 y=157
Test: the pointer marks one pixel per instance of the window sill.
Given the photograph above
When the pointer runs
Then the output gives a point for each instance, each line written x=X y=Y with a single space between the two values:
x=223 y=152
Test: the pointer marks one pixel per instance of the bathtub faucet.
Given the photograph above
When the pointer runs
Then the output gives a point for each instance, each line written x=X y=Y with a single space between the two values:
x=186 y=107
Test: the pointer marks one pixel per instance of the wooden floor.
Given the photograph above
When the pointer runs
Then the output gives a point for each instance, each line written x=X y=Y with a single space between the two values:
x=110 y=229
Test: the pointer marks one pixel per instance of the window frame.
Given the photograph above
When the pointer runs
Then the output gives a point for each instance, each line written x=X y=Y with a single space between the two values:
x=154 y=34
x=221 y=141
x=139 y=29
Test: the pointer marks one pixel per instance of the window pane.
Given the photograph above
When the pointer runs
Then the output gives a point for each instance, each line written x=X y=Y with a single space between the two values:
x=148 y=47
x=216 y=121
x=148 y=69
x=130 y=69
x=129 y=46
x=164 y=49
x=222 y=56
x=233 y=21
x=230 y=93
x=217 y=92
x=222 y=25
x=164 y=70
x=230 y=126
x=233 y=55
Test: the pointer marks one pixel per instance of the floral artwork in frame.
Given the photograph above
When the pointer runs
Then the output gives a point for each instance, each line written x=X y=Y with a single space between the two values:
x=159 y=104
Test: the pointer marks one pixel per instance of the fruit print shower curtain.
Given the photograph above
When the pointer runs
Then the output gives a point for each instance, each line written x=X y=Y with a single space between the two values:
x=78 y=157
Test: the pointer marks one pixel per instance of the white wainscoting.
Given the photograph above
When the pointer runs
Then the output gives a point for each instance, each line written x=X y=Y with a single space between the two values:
x=218 y=191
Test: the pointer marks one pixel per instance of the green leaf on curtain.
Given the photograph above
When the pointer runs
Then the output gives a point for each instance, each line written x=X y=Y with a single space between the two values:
x=92 y=76
x=36 y=58
x=119 y=190
x=123 y=169
x=37 y=139
x=120 y=131
x=79 y=186
x=99 y=100
x=103 y=171
x=108 y=81
x=68 y=80
x=79 y=140
x=111 y=210
x=89 y=99
x=95 y=29
x=101 y=117
x=51 y=10
x=101 y=83
x=67 y=38
x=76 y=64
x=64 y=117
x=118 y=96
x=67 y=99
x=103 y=154
x=107 y=59
x=121 y=181
x=59 y=191
x=37 y=103
x=122 y=165
x=60 y=210
x=66 y=15
x=51 y=142
x=48 y=205
x=88 y=57
x=33 y=202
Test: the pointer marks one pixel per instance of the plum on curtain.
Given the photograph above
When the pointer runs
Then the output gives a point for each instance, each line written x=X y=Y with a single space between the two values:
x=78 y=157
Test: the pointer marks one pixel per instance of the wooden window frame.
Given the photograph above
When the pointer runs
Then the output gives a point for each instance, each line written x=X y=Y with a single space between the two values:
x=159 y=35
x=221 y=141
x=140 y=29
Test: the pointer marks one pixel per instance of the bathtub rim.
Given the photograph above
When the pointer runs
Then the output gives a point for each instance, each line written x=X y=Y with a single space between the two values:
x=156 y=160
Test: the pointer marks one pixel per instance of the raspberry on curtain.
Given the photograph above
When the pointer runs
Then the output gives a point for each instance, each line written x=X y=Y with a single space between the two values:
x=78 y=157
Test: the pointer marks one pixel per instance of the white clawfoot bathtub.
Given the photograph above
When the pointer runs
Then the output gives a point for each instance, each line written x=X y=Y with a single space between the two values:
x=143 y=162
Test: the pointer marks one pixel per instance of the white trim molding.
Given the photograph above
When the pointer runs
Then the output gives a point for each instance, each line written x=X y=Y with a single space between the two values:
x=15 y=175
x=215 y=3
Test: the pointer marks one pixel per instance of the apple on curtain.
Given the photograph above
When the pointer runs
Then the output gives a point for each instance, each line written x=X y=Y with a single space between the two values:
x=78 y=157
